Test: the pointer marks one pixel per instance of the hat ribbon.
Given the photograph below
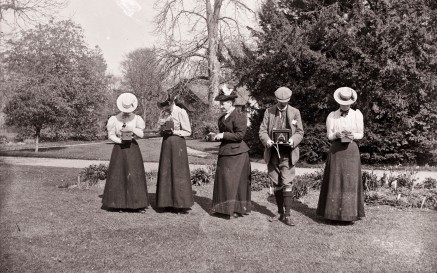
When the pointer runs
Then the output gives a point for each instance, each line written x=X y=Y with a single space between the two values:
x=351 y=97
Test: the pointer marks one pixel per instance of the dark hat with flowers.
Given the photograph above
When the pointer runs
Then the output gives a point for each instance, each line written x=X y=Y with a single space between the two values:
x=168 y=101
x=226 y=93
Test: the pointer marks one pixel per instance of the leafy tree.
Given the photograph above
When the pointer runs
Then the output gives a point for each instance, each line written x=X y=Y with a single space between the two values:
x=197 y=34
x=60 y=82
x=144 y=76
x=384 y=49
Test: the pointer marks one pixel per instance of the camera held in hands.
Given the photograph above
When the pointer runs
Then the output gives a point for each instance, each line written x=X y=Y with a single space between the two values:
x=347 y=137
x=167 y=128
x=280 y=136
x=126 y=136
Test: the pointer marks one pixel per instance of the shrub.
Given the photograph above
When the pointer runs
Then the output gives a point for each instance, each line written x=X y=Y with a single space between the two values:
x=93 y=173
x=259 y=180
x=301 y=183
x=315 y=145
x=202 y=176
x=151 y=176
x=3 y=140
x=428 y=183
x=402 y=198
x=370 y=181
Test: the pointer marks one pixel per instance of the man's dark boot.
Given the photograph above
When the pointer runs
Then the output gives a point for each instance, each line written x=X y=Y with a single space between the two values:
x=280 y=202
x=288 y=198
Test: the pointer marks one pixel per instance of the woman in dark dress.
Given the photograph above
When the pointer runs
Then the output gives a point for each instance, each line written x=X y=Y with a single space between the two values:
x=173 y=189
x=125 y=186
x=232 y=179
x=341 y=195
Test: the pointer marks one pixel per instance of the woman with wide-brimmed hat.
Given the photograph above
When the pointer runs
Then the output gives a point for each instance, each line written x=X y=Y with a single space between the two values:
x=173 y=188
x=125 y=186
x=341 y=195
x=232 y=193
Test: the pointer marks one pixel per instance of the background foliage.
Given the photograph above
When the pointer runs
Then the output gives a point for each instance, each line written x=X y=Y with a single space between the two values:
x=59 y=84
x=385 y=50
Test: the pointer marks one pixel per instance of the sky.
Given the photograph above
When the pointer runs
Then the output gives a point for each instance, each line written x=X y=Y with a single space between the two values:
x=116 y=26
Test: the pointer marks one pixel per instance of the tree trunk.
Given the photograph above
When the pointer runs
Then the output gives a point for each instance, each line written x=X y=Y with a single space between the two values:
x=213 y=63
x=36 y=143
x=144 y=111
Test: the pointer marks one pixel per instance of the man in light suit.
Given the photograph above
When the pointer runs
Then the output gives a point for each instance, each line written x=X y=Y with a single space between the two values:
x=281 y=159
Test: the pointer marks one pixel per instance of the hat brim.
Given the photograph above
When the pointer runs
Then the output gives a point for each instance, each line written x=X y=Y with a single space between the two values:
x=225 y=98
x=345 y=102
x=124 y=109
x=163 y=104
x=283 y=100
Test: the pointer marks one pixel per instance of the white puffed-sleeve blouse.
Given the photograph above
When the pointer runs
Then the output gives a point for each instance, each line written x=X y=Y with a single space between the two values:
x=181 y=121
x=352 y=122
x=115 y=124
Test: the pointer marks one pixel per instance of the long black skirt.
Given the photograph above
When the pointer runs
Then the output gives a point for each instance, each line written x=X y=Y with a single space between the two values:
x=232 y=192
x=341 y=195
x=126 y=186
x=173 y=188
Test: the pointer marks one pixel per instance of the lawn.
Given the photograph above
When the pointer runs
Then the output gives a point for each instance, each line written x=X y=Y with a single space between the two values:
x=150 y=149
x=44 y=228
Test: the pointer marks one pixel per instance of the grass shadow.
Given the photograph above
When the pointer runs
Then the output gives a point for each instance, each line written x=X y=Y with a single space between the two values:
x=206 y=204
x=41 y=149
x=302 y=208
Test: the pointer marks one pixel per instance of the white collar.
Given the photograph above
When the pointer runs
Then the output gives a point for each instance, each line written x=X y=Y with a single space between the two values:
x=283 y=109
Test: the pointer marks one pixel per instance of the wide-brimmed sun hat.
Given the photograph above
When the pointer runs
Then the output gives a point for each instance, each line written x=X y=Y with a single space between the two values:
x=283 y=94
x=226 y=94
x=345 y=96
x=127 y=102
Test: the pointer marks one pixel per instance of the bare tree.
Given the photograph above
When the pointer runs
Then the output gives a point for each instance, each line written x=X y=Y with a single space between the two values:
x=197 y=34
x=28 y=11
x=143 y=76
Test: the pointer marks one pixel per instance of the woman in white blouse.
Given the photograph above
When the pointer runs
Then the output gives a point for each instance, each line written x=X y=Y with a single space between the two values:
x=173 y=188
x=125 y=187
x=341 y=195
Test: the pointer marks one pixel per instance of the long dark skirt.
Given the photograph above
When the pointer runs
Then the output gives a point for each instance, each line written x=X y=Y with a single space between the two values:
x=341 y=195
x=232 y=185
x=125 y=186
x=173 y=188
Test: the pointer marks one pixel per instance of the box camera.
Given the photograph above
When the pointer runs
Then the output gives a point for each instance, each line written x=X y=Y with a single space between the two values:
x=167 y=127
x=281 y=136
x=347 y=138
x=126 y=136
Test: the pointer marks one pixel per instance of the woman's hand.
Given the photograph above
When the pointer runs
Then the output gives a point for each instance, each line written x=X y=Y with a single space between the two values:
x=339 y=135
x=218 y=136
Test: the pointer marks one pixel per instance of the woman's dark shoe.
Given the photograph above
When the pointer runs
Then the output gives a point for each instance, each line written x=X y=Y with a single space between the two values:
x=181 y=211
x=235 y=215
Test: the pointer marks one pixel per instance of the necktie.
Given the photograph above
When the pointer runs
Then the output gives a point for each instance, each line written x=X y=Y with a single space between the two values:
x=344 y=113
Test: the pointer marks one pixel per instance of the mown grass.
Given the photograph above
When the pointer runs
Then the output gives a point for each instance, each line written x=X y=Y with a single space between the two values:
x=44 y=228
x=150 y=149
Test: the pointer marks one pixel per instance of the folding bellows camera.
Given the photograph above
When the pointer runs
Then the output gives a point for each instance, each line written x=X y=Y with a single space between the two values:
x=281 y=136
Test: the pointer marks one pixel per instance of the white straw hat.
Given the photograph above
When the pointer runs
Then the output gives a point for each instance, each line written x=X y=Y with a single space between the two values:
x=345 y=96
x=127 y=102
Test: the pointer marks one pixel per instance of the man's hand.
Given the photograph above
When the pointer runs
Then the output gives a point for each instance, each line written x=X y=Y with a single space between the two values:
x=269 y=143
x=290 y=141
